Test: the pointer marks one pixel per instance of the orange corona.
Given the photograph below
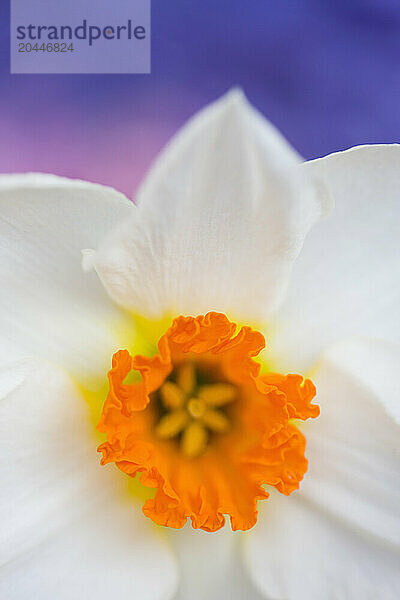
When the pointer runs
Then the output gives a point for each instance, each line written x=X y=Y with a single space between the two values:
x=203 y=426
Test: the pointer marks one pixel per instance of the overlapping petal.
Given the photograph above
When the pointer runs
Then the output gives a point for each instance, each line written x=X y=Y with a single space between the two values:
x=68 y=530
x=222 y=216
x=355 y=453
x=340 y=538
x=48 y=306
x=298 y=553
x=347 y=279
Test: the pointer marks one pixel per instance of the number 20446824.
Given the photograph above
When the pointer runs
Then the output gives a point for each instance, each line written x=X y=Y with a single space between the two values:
x=49 y=47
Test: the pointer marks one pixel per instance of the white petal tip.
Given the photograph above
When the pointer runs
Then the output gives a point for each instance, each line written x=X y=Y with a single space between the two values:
x=235 y=95
x=88 y=257
x=234 y=100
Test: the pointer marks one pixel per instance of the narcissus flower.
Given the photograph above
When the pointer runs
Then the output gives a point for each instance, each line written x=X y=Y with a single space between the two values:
x=186 y=300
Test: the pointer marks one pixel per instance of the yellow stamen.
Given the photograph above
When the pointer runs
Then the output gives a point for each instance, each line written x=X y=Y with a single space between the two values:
x=172 y=424
x=186 y=379
x=194 y=440
x=215 y=420
x=171 y=395
x=217 y=394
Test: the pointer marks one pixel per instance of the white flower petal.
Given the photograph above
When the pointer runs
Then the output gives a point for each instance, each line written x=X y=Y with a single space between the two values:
x=296 y=553
x=221 y=218
x=67 y=530
x=339 y=537
x=347 y=279
x=48 y=306
x=353 y=448
x=211 y=566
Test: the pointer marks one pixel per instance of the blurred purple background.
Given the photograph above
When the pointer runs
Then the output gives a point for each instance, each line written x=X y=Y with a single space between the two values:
x=326 y=73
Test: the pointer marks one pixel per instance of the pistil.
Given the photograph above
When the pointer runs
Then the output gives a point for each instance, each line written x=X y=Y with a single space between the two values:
x=193 y=411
